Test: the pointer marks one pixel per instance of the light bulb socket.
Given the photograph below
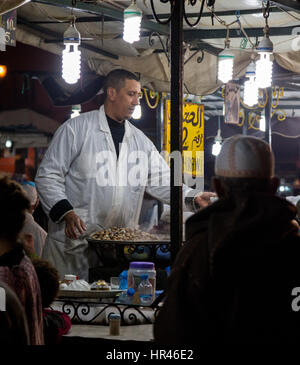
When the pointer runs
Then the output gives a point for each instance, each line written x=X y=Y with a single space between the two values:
x=218 y=137
x=250 y=71
x=197 y=99
x=132 y=12
x=226 y=53
x=76 y=107
x=71 y=35
x=265 y=45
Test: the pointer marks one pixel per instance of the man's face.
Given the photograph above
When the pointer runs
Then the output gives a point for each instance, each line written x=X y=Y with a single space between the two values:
x=126 y=99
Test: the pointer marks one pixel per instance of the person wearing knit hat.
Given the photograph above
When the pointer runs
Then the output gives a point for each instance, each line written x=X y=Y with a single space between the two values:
x=236 y=271
x=30 y=225
x=31 y=193
x=245 y=157
x=245 y=164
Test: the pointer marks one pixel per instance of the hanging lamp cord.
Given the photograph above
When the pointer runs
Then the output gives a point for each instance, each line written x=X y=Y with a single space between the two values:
x=266 y=14
x=227 y=40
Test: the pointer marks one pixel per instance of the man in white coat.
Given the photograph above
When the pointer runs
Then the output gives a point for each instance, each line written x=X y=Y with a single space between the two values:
x=96 y=171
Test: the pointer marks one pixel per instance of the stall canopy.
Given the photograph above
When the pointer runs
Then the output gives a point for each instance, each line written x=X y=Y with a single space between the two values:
x=41 y=23
x=26 y=128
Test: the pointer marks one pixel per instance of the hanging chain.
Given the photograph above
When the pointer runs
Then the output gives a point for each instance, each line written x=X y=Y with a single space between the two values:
x=210 y=3
x=266 y=16
x=267 y=10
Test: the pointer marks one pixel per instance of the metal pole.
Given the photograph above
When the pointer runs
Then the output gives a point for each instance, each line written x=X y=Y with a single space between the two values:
x=268 y=114
x=159 y=120
x=176 y=122
x=158 y=123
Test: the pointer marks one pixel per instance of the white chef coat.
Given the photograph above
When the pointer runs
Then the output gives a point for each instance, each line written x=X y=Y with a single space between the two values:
x=81 y=165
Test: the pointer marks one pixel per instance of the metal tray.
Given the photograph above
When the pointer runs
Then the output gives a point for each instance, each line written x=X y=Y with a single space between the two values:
x=90 y=294
x=162 y=239
x=128 y=243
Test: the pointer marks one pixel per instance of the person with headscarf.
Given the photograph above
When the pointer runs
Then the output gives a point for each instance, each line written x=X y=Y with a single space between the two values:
x=232 y=282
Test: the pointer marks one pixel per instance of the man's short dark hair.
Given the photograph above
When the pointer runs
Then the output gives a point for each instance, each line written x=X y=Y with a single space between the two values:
x=244 y=186
x=116 y=79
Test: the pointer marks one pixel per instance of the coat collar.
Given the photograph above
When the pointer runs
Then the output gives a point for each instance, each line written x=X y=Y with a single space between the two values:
x=104 y=127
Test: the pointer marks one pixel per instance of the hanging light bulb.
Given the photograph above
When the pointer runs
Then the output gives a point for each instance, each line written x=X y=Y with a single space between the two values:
x=250 y=86
x=264 y=64
x=250 y=92
x=225 y=62
x=132 y=23
x=216 y=148
x=76 y=109
x=8 y=143
x=137 y=112
x=225 y=65
x=3 y=71
x=262 y=123
x=71 y=57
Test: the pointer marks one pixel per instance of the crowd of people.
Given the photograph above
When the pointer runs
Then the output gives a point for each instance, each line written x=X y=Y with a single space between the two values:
x=240 y=250
x=30 y=283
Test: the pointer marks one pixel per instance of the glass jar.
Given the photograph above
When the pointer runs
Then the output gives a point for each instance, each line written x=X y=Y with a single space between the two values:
x=135 y=272
x=114 y=324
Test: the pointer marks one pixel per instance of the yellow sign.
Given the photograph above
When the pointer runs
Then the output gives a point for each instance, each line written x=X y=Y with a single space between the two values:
x=192 y=137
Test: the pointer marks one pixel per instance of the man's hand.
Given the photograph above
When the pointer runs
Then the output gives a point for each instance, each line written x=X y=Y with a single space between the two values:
x=74 y=225
x=203 y=200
